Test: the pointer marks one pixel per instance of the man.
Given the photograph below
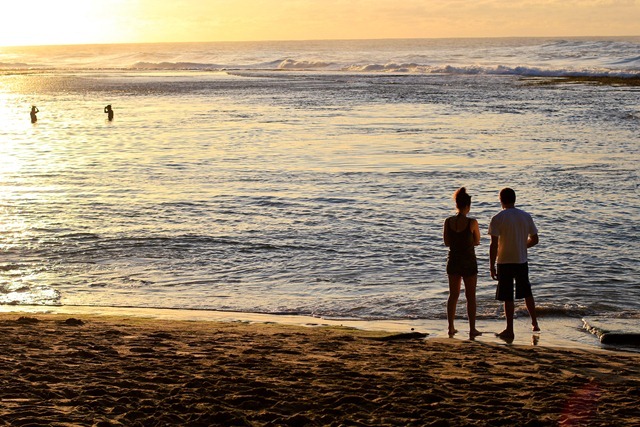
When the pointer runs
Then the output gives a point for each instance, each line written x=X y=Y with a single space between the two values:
x=512 y=233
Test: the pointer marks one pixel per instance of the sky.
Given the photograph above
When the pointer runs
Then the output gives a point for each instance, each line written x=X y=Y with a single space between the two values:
x=43 y=22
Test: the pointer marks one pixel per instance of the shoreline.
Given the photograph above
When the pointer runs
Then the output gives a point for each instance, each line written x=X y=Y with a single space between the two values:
x=99 y=370
x=557 y=332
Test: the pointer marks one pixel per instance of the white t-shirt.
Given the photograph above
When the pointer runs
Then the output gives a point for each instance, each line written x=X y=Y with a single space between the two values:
x=513 y=228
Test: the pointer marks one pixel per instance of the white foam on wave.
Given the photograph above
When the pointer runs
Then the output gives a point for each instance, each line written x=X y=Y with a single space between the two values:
x=175 y=66
x=526 y=57
x=389 y=68
x=290 y=64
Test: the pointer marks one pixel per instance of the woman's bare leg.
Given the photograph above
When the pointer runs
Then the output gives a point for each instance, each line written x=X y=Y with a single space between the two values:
x=470 y=283
x=454 y=294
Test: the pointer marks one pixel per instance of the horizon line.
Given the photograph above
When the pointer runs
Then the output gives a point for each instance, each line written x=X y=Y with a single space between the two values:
x=317 y=40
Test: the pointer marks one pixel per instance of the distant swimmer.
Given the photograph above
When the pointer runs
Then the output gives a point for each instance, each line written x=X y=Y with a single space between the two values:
x=34 y=111
x=109 y=111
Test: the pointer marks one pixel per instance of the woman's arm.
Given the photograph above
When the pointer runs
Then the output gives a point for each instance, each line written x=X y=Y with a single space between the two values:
x=445 y=233
x=475 y=230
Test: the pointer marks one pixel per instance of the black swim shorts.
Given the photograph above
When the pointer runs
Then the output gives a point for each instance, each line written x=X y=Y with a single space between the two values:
x=507 y=274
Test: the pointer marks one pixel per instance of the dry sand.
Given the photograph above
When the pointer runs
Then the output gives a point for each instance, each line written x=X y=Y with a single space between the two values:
x=103 y=371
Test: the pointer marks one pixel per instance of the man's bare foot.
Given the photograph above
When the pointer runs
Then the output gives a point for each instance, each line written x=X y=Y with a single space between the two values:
x=506 y=335
x=535 y=327
x=474 y=333
x=452 y=332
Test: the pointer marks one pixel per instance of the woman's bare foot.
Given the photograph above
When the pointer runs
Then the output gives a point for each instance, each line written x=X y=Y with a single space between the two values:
x=535 y=327
x=474 y=333
x=452 y=332
x=506 y=335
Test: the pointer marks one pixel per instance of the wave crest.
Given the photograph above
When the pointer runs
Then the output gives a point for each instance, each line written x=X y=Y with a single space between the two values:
x=175 y=66
x=291 y=64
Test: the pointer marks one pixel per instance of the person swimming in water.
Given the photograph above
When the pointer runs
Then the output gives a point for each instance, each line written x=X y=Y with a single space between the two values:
x=109 y=111
x=34 y=111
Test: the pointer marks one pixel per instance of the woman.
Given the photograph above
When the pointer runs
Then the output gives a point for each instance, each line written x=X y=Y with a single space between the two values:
x=34 y=111
x=109 y=112
x=461 y=235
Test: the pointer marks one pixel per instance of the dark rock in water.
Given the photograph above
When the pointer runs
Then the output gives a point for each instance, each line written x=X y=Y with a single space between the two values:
x=620 y=338
x=73 y=322
x=614 y=331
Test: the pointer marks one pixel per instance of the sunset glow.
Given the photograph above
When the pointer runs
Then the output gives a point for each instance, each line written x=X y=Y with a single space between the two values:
x=40 y=22
x=43 y=22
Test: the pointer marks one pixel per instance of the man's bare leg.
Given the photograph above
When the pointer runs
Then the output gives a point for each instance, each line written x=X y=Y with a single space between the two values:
x=509 y=308
x=531 y=308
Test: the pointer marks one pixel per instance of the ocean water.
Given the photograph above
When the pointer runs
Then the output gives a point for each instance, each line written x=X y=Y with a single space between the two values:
x=313 y=178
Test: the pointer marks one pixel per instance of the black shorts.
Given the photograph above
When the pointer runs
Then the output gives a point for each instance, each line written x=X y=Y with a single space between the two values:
x=507 y=274
x=462 y=266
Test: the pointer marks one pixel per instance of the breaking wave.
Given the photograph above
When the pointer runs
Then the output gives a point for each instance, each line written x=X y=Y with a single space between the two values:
x=617 y=57
x=390 y=68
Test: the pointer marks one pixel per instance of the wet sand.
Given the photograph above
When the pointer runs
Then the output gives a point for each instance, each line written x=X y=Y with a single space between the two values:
x=106 y=370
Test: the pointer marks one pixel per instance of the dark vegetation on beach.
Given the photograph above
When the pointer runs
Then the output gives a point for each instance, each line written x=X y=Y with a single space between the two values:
x=600 y=81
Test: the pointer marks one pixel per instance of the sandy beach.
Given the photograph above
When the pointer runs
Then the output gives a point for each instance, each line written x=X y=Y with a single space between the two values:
x=87 y=370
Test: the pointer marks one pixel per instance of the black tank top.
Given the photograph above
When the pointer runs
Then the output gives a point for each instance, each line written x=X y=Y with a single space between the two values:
x=461 y=242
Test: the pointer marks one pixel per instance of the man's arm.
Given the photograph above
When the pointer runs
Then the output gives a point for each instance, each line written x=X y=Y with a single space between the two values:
x=532 y=241
x=493 y=255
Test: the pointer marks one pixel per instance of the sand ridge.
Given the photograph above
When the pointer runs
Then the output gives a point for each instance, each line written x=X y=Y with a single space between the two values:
x=101 y=371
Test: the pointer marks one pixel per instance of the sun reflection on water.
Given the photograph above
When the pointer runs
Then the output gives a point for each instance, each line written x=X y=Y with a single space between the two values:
x=195 y=198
